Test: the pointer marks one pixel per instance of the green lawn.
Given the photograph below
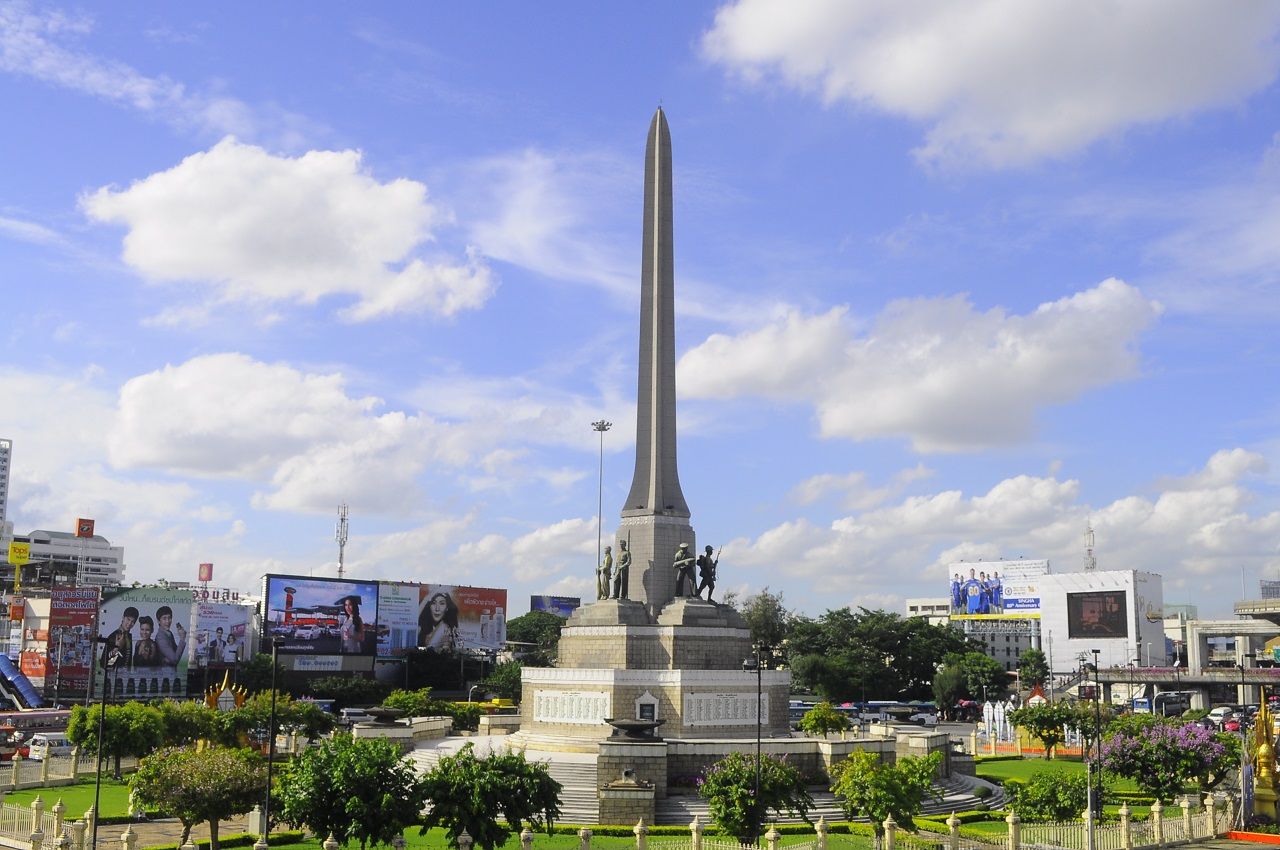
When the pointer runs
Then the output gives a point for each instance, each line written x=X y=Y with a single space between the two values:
x=999 y=770
x=78 y=798
x=436 y=840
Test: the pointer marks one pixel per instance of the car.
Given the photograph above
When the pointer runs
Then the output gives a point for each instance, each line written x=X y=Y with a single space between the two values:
x=307 y=633
x=924 y=718
x=1220 y=714
x=352 y=716
x=1231 y=724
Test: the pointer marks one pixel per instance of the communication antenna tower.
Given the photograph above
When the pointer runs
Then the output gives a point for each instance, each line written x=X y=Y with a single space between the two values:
x=341 y=537
x=1090 y=562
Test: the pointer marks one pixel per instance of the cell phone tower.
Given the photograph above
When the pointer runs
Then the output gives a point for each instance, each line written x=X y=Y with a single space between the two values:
x=341 y=537
x=1090 y=562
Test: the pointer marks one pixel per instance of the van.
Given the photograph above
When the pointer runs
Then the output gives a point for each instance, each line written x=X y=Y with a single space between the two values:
x=50 y=744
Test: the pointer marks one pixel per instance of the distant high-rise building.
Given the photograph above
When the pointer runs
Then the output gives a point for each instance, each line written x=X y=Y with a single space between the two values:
x=59 y=557
x=6 y=455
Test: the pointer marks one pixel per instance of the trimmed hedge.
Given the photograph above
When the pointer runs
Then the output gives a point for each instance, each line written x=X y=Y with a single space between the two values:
x=243 y=839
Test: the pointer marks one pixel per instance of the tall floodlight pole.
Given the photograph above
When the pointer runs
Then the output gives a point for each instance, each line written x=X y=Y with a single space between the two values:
x=600 y=426
x=341 y=536
x=271 y=737
x=1246 y=769
x=108 y=667
x=748 y=665
x=1097 y=732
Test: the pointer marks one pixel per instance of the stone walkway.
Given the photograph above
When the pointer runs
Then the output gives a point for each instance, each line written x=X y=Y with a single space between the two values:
x=156 y=832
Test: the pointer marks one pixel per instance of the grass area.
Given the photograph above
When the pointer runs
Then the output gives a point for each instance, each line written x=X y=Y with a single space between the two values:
x=436 y=840
x=78 y=798
x=999 y=770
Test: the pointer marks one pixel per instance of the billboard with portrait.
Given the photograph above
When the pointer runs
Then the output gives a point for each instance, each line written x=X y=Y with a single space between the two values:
x=458 y=617
x=996 y=589
x=561 y=606
x=1098 y=614
x=145 y=645
x=221 y=633
x=321 y=616
x=72 y=613
x=399 y=604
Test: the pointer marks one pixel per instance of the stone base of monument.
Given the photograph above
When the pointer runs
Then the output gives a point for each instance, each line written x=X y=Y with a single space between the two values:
x=627 y=800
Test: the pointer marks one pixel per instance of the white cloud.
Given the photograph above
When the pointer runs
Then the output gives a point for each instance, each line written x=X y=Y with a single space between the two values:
x=855 y=490
x=1196 y=538
x=263 y=229
x=1004 y=82
x=932 y=370
x=29 y=231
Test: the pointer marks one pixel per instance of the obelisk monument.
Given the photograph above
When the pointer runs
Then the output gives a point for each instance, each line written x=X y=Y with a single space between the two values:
x=655 y=518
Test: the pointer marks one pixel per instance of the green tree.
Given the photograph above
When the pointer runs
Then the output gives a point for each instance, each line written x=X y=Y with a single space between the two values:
x=130 y=729
x=872 y=789
x=1033 y=668
x=728 y=786
x=769 y=622
x=187 y=722
x=210 y=785
x=822 y=719
x=504 y=680
x=1088 y=718
x=254 y=673
x=844 y=655
x=355 y=789
x=538 y=634
x=1050 y=795
x=983 y=675
x=1047 y=721
x=490 y=796
x=948 y=689
x=412 y=703
x=251 y=720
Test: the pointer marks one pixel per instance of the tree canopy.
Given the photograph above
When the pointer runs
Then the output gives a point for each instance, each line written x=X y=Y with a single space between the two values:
x=844 y=655
x=875 y=790
x=769 y=621
x=489 y=796
x=541 y=631
x=1033 y=668
x=210 y=785
x=728 y=786
x=355 y=789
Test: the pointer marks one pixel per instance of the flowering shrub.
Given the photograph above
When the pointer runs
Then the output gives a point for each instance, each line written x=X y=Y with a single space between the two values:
x=1161 y=759
x=728 y=786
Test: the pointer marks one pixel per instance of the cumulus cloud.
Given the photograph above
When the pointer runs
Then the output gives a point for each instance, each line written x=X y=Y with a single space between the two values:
x=1002 y=82
x=1200 y=530
x=935 y=371
x=262 y=229
x=855 y=490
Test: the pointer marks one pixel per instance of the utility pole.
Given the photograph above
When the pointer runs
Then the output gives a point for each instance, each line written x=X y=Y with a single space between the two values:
x=600 y=426
x=341 y=537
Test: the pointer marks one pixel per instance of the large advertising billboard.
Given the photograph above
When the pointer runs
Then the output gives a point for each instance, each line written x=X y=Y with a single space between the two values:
x=72 y=611
x=561 y=606
x=322 y=616
x=399 y=605
x=996 y=589
x=1097 y=614
x=221 y=634
x=145 y=644
x=458 y=617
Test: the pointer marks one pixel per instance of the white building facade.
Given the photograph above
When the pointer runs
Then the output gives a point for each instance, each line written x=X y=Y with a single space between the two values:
x=1120 y=613
x=6 y=461
x=95 y=561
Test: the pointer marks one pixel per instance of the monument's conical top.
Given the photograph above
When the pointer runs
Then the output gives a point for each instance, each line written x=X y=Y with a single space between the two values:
x=655 y=485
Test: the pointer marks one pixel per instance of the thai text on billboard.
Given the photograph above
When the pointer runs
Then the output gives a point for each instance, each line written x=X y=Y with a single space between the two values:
x=221 y=633
x=321 y=616
x=1009 y=589
x=72 y=612
x=460 y=617
x=145 y=642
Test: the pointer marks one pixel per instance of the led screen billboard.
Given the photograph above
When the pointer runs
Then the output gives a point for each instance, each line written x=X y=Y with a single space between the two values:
x=321 y=616
x=143 y=633
x=399 y=605
x=996 y=589
x=1097 y=614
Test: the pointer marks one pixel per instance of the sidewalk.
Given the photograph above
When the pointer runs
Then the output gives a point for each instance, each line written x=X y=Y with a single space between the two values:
x=169 y=831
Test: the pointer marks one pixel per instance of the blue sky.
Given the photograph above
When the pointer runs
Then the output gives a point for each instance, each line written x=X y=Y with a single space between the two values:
x=953 y=280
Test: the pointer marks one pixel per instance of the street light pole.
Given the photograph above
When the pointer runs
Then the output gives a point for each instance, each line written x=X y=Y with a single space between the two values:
x=108 y=666
x=748 y=665
x=1097 y=731
x=271 y=745
x=600 y=426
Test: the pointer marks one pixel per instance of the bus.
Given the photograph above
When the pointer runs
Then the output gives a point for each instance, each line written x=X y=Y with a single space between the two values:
x=1171 y=703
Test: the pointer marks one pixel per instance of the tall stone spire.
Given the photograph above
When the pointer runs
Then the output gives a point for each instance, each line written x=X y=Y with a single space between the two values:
x=655 y=518
x=655 y=485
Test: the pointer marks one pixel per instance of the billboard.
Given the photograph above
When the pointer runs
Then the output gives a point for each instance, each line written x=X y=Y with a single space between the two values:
x=1097 y=614
x=399 y=605
x=561 y=606
x=221 y=633
x=144 y=641
x=996 y=589
x=204 y=573
x=458 y=617
x=321 y=616
x=72 y=611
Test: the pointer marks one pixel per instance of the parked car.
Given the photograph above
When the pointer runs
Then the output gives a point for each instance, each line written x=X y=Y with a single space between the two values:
x=1231 y=724
x=307 y=633
x=1221 y=713
x=352 y=716
x=924 y=718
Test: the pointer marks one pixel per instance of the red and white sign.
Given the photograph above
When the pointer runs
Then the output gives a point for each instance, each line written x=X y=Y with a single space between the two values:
x=84 y=527
x=206 y=572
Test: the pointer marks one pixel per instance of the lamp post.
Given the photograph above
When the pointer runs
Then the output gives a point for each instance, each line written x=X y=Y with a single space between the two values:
x=108 y=666
x=1246 y=771
x=1148 y=653
x=271 y=739
x=748 y=665
x=600 y=426
x=1097 y=733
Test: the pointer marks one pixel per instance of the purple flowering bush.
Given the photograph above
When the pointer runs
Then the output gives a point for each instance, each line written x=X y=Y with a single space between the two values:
x=1164 y=758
